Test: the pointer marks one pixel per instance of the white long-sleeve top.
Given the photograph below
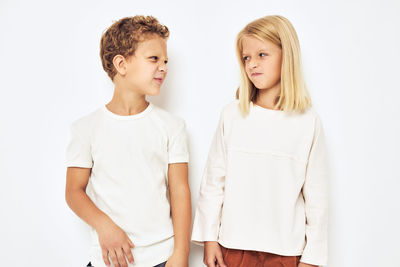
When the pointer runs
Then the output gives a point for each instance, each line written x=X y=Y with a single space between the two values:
x=265 y=184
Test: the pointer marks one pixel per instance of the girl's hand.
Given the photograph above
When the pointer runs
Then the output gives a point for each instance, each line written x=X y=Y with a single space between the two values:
x=178 y=259
x=213 y=254
x=115 y=244
x=302 y=264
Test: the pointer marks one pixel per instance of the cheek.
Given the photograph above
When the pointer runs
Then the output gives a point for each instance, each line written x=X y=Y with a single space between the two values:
x=247 y=71
x=275 y=68
x=278 y=66
x=278 y=69
x=146 y=73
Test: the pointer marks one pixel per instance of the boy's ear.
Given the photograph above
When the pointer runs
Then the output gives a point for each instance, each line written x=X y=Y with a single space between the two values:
x=119 y=63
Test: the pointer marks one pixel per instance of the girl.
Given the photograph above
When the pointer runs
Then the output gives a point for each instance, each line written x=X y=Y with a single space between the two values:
x=263 y=198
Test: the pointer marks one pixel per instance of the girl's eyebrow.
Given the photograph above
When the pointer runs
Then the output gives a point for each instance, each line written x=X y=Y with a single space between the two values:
x=258 y=51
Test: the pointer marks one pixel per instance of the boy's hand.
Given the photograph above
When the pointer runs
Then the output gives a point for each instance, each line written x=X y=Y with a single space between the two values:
x=178 y=259
x=302 y=264
x=213 y=254
x=115 y=244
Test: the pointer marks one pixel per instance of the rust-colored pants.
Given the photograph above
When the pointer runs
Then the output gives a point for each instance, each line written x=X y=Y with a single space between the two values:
x=249 y=258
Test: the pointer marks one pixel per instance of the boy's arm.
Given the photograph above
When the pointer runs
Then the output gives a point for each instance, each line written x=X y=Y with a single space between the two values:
x=113 y=240
x=78 y=200
x=181 y=212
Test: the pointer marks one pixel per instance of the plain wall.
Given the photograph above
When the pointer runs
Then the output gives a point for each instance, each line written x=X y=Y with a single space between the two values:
x=51 y=75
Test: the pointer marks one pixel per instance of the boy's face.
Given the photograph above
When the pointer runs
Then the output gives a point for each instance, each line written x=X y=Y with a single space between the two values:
x=146 y=69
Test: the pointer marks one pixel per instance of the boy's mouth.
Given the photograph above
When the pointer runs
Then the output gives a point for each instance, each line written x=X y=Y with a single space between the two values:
x=159 y=80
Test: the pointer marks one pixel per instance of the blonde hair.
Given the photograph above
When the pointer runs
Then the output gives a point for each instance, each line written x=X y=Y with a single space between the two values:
x=294 y=95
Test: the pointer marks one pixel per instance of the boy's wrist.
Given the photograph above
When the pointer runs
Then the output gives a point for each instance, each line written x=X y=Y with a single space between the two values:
x=103 y=222
x=182 y=251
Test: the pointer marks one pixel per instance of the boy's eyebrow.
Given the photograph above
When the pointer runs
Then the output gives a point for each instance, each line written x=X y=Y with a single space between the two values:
x=165 y=59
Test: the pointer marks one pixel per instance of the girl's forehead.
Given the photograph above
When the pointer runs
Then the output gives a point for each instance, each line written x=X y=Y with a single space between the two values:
x=250 y=43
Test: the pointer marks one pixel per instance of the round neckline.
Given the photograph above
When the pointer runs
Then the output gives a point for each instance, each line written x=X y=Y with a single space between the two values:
x=255 y=106
x=128 y=117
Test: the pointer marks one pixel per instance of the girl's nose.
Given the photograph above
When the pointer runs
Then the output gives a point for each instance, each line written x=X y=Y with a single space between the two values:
x=253 y=64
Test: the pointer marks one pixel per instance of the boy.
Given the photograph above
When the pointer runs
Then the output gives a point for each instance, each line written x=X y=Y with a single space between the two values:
x=123 y=157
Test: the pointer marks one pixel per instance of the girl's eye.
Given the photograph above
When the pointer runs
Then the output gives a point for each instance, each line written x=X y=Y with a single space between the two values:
x=245 y=58
x=165 y=62
x=154 y=58
x=263 y=54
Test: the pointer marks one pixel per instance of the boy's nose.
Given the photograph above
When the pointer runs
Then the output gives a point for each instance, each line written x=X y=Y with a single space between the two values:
x=162 y=67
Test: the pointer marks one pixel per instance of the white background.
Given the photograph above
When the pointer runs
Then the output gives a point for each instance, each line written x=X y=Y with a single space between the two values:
x=51 y=74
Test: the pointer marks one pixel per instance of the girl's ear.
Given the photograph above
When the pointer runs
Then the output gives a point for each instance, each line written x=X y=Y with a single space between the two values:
x=119 y=63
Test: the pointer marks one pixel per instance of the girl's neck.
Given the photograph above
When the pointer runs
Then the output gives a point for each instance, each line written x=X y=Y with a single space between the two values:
x=127 y=103
x=267 y=98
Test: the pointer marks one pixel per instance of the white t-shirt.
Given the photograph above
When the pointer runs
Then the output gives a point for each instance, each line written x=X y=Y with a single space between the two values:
x=265 y=184
x=129 y=157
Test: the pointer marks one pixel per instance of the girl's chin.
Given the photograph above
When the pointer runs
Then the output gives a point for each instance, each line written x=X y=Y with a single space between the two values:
x=264 y=87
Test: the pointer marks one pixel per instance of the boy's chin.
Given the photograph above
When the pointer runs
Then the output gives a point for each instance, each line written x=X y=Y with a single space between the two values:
x=153 y=92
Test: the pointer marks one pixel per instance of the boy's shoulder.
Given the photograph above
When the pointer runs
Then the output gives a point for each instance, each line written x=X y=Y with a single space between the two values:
x=168 y=120
x=87 y=121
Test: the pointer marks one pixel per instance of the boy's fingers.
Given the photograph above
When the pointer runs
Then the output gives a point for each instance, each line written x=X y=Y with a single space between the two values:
x=121 y=258
x=104 y=252
x=114 y=259
x=128 y=253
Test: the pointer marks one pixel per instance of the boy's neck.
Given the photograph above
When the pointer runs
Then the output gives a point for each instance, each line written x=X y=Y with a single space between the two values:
x=127 y=102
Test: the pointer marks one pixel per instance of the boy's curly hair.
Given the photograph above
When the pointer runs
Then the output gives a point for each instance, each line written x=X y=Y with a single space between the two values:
x=123 y=37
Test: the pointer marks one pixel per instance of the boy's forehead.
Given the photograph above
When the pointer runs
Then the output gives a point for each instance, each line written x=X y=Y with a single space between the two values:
x=152 y=43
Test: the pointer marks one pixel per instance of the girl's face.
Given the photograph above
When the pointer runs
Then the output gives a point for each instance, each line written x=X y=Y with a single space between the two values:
x=262 y=61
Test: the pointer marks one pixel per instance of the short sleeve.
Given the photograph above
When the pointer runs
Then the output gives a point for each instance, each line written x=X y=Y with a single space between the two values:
x=79 y=150
x=178 y=151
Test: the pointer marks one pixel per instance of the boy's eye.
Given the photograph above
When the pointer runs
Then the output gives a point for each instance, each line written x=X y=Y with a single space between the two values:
x=263 y=54
x=165 y=62
x=154 y=58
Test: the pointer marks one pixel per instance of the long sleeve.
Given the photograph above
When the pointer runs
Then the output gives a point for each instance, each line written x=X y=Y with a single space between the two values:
x=315 y=193
x=208 y=212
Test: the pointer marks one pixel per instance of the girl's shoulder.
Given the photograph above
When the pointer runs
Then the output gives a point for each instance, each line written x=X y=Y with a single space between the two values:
x=312 y=114
x=231 y=109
